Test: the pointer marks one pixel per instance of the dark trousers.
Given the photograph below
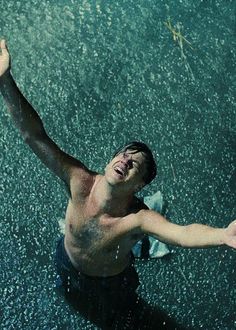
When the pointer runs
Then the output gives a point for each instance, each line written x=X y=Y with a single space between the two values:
x=99 y=299
x=111 y=302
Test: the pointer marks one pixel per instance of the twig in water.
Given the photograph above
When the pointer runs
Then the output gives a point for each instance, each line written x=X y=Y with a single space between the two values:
x=180 y=39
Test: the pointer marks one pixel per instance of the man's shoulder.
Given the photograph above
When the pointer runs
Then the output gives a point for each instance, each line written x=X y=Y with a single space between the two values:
x=81 y=183
x=137 y=208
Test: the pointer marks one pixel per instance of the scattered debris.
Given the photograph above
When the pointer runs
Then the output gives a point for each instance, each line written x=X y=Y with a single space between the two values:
x=180 y=39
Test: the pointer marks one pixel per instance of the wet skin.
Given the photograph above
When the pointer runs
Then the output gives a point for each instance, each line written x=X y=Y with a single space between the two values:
x=101 y=225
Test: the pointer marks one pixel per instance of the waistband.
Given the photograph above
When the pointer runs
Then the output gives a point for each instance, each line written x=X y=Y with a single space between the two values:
x=62 y=257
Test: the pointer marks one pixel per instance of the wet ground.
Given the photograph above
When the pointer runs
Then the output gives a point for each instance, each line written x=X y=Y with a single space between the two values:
x=100 y=74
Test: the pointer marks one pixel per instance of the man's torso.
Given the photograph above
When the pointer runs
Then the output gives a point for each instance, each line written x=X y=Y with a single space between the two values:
x=100 y=244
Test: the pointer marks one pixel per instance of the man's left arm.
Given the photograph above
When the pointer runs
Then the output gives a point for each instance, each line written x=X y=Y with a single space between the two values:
x=192 y=236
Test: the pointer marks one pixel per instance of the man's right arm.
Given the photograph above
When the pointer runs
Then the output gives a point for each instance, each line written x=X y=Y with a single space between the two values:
x=32 y=130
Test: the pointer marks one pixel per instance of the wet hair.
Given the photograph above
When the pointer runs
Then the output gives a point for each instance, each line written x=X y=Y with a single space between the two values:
x=136 y=146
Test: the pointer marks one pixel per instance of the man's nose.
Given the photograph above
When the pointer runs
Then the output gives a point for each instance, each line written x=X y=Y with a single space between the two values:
x=129 y=163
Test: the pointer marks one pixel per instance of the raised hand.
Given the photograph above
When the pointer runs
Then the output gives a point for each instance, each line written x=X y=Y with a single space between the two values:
x=4 y=58
x=230 y=237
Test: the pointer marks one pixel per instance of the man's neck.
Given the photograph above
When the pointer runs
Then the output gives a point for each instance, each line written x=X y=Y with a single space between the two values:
x=111 y=199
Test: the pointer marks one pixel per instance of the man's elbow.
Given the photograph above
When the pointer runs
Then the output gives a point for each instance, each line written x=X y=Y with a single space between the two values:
x=26 y=137
x=30 y=137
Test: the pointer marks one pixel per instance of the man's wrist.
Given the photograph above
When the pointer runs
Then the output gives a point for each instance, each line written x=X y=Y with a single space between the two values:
x=222 y=236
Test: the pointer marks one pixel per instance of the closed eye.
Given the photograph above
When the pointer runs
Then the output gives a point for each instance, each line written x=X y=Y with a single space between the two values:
x=136 y=165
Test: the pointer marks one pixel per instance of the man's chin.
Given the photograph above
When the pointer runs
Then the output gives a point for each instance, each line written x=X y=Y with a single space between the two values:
x=116 y=181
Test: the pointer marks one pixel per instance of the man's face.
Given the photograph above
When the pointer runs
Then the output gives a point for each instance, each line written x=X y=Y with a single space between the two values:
x=127 y=168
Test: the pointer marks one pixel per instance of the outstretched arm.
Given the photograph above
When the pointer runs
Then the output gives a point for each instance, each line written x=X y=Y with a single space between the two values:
x=192 y=236
x=31 y=127
x=23 y=115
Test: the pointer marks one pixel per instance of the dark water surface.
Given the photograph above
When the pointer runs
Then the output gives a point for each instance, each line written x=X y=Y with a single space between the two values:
x=100 y=73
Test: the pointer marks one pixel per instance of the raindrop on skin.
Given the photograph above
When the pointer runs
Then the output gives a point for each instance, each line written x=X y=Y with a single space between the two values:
x=117 y=251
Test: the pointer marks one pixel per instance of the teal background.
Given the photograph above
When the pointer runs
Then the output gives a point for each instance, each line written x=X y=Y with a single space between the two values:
x=100 y=73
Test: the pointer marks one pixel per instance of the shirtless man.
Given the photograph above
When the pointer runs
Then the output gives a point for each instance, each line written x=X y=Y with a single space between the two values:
x=104 y=219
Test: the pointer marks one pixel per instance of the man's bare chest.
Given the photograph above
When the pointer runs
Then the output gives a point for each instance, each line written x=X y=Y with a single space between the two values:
x=89 y=229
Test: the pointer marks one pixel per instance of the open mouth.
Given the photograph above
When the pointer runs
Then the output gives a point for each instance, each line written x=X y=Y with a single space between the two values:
x=121 y=171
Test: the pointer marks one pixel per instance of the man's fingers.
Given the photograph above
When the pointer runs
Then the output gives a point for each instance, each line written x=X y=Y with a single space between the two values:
x=3 y=43
x=3 y=46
